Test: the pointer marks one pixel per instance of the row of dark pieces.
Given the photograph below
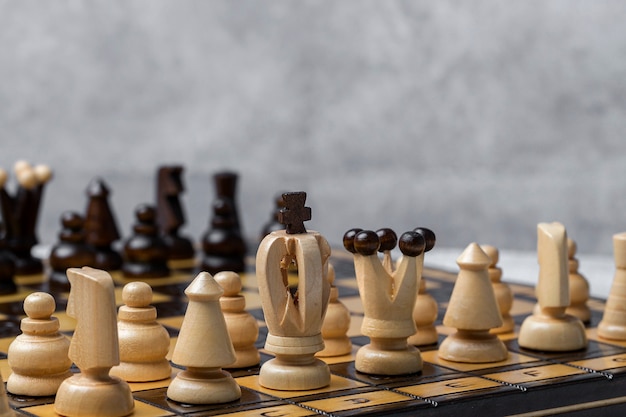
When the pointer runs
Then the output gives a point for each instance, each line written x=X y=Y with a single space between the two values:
x=88 y=239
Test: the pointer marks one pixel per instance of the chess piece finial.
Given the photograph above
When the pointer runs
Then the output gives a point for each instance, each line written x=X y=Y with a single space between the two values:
x=388 y=240
x=550 y=328
x=242 y=326
x=578 y=287
x=145 y=253
x=426 y=309
x=336 y=323
x=101 y=229
x=94 y=349
x=204 y=347
x=294 y=214
x=613 y=323
x=144 y=343
x=294 y=322
x=170 y=216
x=39 y=356
x=503 y=293
x=388 y=300
x=473 y=311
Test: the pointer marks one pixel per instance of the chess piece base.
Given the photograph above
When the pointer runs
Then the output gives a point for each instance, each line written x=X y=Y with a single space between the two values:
x=473 y=347
x=425 y=336
x=202 y=386
x=81 y=395
x=294 y=374
x=507 y=326
x=36 y=387
x=142 y=372
x=246 y=357
x=376 y=360
x=611 y=331
x=335 y=347
x=552 y=334
x=581 y=311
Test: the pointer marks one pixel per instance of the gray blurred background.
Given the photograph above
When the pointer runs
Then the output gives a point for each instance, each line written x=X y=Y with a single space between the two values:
x=476 y=119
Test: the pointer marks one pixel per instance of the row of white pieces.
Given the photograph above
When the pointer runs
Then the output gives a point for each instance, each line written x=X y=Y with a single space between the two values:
x=522 y=267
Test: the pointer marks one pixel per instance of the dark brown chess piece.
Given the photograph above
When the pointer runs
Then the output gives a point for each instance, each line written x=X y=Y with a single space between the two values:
x=20 y=213
x=72 y=250
x=101 y=228
x=223 y=246
x=145 y=253
x=170 y=217
x=7 y=267
x=273 y=224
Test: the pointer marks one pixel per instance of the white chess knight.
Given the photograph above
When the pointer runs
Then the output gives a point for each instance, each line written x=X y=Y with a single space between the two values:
x=388 y=298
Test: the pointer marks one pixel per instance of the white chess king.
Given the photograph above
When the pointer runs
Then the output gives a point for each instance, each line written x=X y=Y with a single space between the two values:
x=294 y=321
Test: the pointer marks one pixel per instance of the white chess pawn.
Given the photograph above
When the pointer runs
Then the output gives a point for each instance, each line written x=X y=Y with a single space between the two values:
x=424 y=314
x=144 y=343
x=243 y=328
x=613 y=323
x=578 y=287
x=336 y=323
x=39 y=356
x=503 y=293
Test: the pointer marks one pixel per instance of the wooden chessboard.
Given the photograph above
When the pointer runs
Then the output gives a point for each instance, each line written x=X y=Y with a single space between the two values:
x=527 y=383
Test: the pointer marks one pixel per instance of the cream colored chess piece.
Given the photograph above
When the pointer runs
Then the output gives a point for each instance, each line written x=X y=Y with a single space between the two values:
x=503 y=293
x=473 y=311
x=388 y=300
x=336 y=323
x=551 y=329
x=578 y=287
x=94 y=349
x=144 y=343
x=242 y=326
x=613 y=324
x=204 y=347
x=39 y=356
x=294 y=321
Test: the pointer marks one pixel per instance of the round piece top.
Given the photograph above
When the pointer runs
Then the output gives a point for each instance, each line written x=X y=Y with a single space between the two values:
x=571 y=248
x=137 y=294
x=412 y=244
x=230 y=282
x=388 y=239
x=39 y=305
x=492 y=252
x=348 y=239
x=366 y=242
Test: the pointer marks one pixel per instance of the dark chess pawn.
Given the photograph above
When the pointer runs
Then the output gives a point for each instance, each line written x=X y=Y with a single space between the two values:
x=145 y=253
x=223 y=246
x=7 y=270
x=72 y=250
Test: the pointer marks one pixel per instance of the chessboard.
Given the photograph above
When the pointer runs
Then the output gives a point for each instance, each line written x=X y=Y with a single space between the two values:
x=527 y=383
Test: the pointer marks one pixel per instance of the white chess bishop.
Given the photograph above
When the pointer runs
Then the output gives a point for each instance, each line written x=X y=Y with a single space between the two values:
x=294 y=321
x=388 y=298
